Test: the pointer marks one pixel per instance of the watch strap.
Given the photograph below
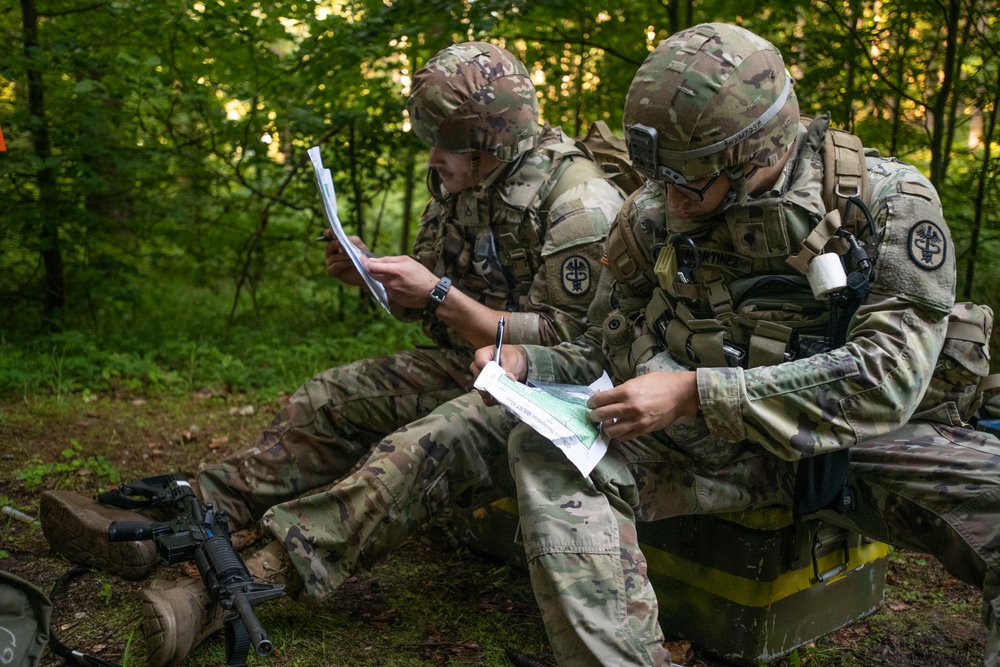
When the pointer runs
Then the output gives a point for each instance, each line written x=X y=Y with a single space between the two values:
x=438 y=294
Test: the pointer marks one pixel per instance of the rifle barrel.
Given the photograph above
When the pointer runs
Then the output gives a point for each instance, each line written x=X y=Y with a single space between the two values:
x=258 y=636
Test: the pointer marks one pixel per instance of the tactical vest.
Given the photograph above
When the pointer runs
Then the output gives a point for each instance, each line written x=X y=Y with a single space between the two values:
x=767 y=319
x=488 y=240
x=729 y=297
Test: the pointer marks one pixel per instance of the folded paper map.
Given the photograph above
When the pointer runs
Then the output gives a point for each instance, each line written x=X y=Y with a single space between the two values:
x=556 y=411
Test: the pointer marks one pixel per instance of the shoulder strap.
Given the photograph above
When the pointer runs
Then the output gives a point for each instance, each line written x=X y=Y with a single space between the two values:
x=627 y=259
x=845 y=175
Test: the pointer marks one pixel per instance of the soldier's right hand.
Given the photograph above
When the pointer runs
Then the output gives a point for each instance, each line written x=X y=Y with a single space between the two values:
x=513 y=360
x=339 y=264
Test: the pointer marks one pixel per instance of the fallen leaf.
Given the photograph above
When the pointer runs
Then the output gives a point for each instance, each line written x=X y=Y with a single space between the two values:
x=244 y=537
x=138 y=401
x=681 y=652
x=898 y=606
x=219 y=442
x=245 y=411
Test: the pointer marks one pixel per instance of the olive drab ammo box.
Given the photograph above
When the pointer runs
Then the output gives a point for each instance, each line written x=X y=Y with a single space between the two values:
x=749 y=587
x=754 y=586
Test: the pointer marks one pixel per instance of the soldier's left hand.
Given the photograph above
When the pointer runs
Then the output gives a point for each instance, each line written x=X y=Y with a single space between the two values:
x=645 y=404
x=407 y=282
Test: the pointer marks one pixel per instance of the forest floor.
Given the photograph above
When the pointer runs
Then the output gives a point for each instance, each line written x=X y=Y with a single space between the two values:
x=434 y=601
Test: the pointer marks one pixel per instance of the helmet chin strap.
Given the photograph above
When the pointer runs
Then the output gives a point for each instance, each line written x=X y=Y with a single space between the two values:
x=483 y=184
x=476 y=166
x=739 y=191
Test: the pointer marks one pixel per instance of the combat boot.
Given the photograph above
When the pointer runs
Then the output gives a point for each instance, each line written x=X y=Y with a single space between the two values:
x=272 y=565
x=76 y=527
x=178 y=616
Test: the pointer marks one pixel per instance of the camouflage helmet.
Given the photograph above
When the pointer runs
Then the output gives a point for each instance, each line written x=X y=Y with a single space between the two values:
x=708 y=99
x=475 y=96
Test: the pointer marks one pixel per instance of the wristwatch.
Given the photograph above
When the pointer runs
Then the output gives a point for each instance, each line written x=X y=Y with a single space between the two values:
x=438 y=294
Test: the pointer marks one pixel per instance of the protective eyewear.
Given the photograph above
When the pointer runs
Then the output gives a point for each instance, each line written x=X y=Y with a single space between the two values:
x=692 y=192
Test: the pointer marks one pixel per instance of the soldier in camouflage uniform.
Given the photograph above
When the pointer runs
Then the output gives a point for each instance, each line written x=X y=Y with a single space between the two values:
x=515 y=228
x=735 y=194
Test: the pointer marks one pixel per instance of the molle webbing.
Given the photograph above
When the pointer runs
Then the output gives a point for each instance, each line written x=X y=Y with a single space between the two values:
x=768 y=344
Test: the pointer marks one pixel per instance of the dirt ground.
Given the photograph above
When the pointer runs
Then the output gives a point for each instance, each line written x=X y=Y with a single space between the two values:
x=434 y=601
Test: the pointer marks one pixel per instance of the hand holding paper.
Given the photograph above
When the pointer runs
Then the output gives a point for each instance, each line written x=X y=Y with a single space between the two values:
x=325 y=183
x=556 y=411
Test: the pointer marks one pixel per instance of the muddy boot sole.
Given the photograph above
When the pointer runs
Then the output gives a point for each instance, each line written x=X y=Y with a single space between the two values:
x=76 y=527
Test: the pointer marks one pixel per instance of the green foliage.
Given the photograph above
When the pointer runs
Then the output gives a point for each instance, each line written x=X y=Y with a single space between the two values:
x=157 y=204
x=183 y=347
x=73 y=462
x=105 y=592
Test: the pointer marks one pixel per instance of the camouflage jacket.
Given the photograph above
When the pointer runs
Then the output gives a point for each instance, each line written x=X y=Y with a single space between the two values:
x=814 y=404
x=523 y=243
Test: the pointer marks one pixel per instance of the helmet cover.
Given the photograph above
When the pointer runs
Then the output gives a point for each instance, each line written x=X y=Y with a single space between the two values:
x=710 y=98
x=475 y=96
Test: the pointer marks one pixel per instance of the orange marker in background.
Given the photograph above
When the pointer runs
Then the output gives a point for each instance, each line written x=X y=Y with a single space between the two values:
x=3 y=146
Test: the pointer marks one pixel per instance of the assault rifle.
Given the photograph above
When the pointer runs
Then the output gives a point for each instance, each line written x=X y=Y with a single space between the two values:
x=199 y=534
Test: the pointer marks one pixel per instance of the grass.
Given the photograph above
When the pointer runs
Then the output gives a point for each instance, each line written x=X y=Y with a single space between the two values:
x=264 y=356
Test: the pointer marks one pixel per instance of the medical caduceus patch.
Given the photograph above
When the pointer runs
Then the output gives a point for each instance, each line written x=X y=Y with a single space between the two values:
x=928 y=245
x=576 y=275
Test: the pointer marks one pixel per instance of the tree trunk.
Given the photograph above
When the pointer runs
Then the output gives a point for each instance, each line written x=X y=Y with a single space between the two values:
x=356 y=188
x=899 y=76
x=54 y=295
x=409 y=176
x=982 y=181
x=850 y=68
x=941 y=101
x=358 y=204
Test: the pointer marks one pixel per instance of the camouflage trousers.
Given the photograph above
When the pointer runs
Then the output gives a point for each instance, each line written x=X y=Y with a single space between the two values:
x=454 y=456
x=329 y=426
x=927 y=487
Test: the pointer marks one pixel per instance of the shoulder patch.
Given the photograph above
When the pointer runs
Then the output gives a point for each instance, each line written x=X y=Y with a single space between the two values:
x=576 y=275
x=928 y=245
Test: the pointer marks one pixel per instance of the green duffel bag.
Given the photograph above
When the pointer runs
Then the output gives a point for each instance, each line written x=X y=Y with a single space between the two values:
x=24 y=622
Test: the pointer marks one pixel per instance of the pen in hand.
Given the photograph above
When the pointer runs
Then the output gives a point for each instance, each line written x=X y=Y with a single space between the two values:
x=496 y=353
